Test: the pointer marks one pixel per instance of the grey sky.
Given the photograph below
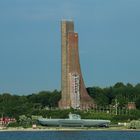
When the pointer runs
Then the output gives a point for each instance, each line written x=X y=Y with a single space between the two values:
x=30 y=57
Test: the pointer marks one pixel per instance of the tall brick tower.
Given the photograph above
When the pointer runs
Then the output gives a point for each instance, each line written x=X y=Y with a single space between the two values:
x=74 y=94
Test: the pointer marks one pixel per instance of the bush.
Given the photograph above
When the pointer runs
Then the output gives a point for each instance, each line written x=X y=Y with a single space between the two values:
x=135 y=124
x=13 y=124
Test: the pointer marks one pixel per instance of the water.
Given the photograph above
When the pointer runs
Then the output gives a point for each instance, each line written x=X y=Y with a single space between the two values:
x=71 y=135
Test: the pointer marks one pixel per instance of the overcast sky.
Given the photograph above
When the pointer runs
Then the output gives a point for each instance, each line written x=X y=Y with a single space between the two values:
x=30 y=47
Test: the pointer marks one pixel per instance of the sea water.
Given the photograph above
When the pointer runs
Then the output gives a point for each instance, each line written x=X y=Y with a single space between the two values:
x=70 y=135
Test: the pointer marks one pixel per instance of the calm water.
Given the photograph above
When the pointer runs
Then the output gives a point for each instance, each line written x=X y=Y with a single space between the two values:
x=71 y=135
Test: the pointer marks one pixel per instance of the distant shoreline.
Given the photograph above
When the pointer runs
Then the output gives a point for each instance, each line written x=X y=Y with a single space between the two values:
x=67 y=129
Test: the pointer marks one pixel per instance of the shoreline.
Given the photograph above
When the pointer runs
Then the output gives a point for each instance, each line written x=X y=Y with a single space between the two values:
x=20 y=129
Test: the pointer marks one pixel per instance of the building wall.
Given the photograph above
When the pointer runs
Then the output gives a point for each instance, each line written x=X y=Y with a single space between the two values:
x=66 y=26
x=131 y=105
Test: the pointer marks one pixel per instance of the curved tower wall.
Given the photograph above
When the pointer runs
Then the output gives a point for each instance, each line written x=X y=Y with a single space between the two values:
x=74 y=94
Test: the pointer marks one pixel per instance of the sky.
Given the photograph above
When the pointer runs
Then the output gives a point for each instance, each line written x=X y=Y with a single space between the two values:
x=30 y=42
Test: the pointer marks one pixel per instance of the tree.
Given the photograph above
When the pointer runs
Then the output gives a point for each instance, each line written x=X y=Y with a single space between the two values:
x=138 y=103
x=119 y=85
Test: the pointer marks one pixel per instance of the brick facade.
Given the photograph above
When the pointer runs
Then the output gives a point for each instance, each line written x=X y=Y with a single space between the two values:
x=71 y=66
